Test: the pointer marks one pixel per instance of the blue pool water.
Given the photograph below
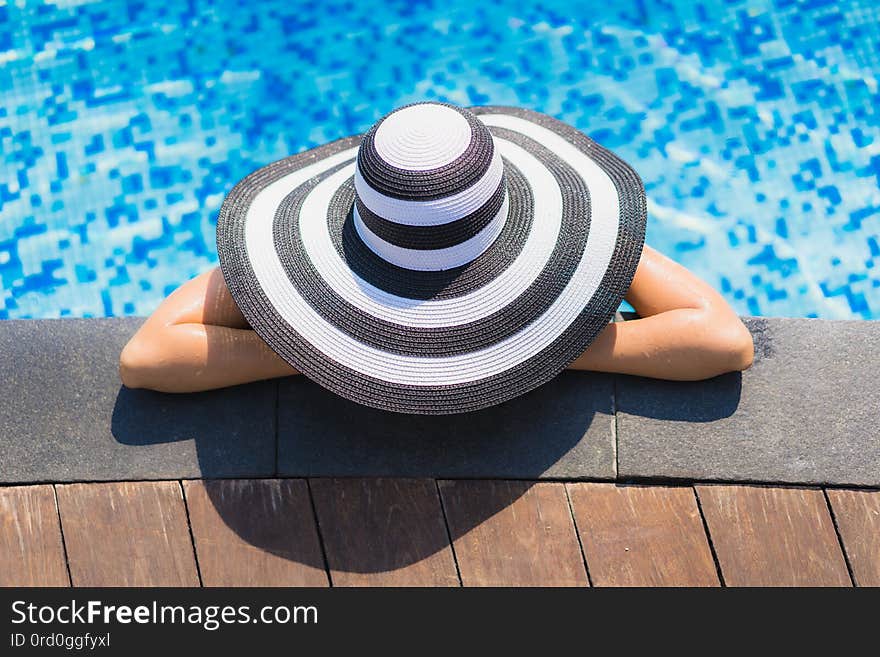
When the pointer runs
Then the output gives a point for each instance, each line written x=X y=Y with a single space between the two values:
x=754 y=125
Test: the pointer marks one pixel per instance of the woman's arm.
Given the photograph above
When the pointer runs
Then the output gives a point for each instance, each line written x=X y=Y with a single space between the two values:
x=686 y=330
x=198 y=340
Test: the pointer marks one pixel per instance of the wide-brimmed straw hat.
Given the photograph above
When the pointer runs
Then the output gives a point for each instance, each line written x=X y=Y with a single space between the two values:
x=445 y=261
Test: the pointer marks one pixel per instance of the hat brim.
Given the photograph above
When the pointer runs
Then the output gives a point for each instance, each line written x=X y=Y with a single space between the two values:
x=437 y=342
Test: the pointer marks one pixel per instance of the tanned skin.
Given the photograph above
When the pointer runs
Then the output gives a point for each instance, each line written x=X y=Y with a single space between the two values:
x=198 y=339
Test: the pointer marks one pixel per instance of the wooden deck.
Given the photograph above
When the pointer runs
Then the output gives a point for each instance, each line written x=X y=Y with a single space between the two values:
x=422 y=532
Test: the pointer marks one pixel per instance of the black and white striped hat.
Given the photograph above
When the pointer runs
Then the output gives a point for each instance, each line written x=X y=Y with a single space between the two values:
x=445 y=261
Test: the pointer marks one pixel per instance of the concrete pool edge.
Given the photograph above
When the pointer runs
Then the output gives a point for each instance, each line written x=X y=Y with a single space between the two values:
x=805 y=413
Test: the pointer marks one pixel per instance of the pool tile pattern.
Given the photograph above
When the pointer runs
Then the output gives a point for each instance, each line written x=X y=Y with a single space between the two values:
x=753 y=124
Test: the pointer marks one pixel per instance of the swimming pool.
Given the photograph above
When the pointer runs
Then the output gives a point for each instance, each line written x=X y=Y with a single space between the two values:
x=754 y=126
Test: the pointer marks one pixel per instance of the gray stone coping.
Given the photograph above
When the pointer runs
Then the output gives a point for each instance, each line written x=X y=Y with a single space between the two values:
x=805 y=413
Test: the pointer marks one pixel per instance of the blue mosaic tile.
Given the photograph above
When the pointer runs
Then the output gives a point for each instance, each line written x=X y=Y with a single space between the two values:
x=754 y=125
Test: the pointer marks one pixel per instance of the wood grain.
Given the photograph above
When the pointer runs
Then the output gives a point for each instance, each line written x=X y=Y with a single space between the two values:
x=513 y=533
x=642 y=535
x=127 y=534
x=31 y=551
x=384 y=532
x=255 y=532
x=858 y=518
x=766 y=536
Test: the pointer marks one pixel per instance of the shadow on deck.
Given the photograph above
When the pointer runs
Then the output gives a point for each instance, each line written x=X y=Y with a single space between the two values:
x=325 y=435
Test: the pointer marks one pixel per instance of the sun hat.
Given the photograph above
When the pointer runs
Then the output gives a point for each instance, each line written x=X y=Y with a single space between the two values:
x=447 y=260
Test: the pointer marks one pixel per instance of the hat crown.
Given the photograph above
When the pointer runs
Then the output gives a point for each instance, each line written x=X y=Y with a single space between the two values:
x=430 y=187
x=422 y=137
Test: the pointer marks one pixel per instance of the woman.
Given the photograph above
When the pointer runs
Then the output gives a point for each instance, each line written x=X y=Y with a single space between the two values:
x=200 y=337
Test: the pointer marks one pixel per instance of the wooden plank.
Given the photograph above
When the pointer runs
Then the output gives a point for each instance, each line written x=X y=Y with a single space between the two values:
x=31 y=551
x=127 y=534
x=513 y=533
x=255 y=532
x=642 y=535
x=767 y=536
x=384 y=532
x=858 y=518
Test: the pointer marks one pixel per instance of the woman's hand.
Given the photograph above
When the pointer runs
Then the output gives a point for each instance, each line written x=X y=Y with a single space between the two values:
x=686 y=330
x=198 y=340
